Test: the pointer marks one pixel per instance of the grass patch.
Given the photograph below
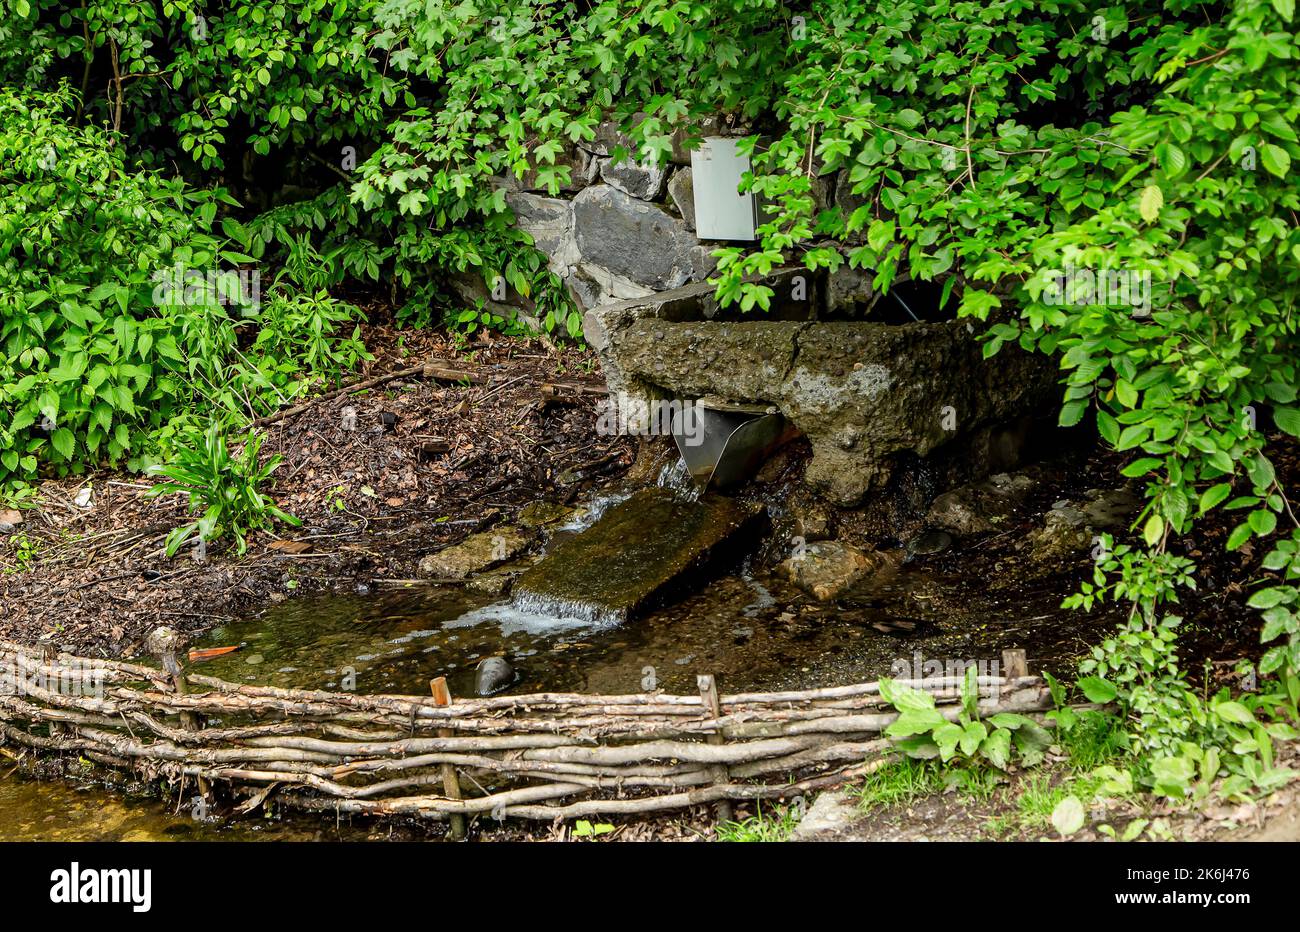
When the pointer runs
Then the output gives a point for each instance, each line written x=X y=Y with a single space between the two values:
x=773 y=826
x=1093 y=739
x=901 y=782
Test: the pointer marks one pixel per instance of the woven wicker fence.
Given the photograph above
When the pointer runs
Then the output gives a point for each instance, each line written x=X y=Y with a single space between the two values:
x=545 y=756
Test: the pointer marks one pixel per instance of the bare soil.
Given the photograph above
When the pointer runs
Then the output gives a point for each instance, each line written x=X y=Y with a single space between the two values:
x=429 y=462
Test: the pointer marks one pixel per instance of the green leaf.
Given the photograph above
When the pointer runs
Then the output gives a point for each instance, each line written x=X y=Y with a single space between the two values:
x=64 y=442
x=1287 y=419
x=1068 y=816
x=1262 y=522
x=1154 y=530
x=1150 y=203
x=1285 y=8
x=1275 y=159
x=1097 y=689
x=1214 y=495
x=1072 y=413
x=1234 y=712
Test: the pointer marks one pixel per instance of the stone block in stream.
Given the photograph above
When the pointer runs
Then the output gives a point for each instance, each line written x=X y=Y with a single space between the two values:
x=642 y=553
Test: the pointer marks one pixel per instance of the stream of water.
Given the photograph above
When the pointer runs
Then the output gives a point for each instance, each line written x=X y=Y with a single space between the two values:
x=752 y=631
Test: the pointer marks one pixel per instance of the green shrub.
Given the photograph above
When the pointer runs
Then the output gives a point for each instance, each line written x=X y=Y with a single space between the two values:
x=226 y=489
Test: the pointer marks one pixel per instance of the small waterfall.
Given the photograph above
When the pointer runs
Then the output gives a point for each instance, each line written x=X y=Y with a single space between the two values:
x=530 y=613
x=594 y=511
x=676 y=478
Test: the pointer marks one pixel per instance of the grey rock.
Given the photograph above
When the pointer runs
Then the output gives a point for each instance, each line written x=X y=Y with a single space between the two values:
x=495 y=583
x=681 y=191
x=644 y=181
x=549 y=221
x=608 y=136
x=583 y=170
x=1064 y=533
x=1111 y=510
x=492 y=675
x=632 y=239
x=861 y=392
x=473 y=291
x=850 y=290
x=981 y=507
x=928 y=543
x=475 y=553
x=609 y=285
x=832 y=812
x=828 y=569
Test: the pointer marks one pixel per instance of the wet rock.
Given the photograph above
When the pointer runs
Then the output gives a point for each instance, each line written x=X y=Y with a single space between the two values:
x=928 y=543
x=641 y=553
x=828 y=569
x=1111 y=510
x=492 y=675
x=475 y=553
x=861 y=392
x=681 y=190
x=813 y=520
x=633 y=239
x=541 y=513
x=1064 y=533
x=639 y=180
x=980 y=507
x=495 y=584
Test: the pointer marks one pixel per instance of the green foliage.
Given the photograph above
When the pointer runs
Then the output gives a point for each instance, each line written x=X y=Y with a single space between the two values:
x=225 y=488
x=122 y=314
x=775 y=825
x=1183 y=743
x=922 y=731
x=584 y=829
x=900 y=782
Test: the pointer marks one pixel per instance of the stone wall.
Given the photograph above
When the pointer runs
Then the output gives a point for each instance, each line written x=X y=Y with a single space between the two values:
x=623 y=231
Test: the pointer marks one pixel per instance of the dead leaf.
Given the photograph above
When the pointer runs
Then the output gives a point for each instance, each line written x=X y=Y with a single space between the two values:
x=207 y=653
x=289 y=546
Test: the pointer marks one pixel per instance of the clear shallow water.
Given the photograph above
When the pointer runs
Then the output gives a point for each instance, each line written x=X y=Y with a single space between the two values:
x=63 y=810
x=753 y=631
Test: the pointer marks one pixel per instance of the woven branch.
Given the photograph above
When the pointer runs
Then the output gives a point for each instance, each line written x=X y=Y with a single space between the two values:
x=545 y=756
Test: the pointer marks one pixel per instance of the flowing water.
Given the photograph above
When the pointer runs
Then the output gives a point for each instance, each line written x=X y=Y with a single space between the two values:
x=752 y=630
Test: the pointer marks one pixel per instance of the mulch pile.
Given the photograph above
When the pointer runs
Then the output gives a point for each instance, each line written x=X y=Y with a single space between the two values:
x=423 y=463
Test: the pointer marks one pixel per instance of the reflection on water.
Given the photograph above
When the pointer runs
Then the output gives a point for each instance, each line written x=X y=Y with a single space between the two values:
x=59 y=810
x=753 y=632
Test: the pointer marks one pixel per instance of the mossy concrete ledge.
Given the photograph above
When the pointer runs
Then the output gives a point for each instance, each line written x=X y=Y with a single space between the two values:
x=862 y=392
x=641 y=554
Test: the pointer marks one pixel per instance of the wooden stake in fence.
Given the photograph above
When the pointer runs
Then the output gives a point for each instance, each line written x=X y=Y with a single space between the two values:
x=450 y=783
x=164 y=642
x=50 y=655
x=713 y=708
x=1014 y=664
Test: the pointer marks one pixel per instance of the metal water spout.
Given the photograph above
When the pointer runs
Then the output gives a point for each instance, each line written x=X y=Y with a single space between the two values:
x=724 y=443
